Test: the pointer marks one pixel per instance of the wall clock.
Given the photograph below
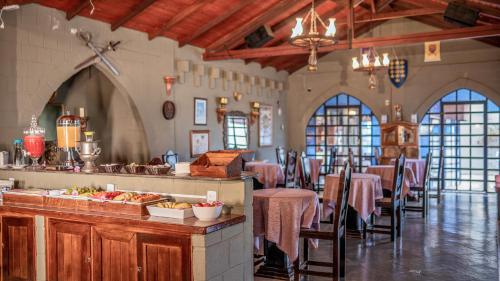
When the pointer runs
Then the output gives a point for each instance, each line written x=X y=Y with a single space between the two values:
x=168 y=110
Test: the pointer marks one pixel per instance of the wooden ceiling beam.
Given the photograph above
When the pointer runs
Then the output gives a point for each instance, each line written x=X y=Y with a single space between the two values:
x=230 y=39
x=405 y=39
x=373 y=6
x=216 y=21
x=77 y=9
x=139 y=8
x=184 y=13
x=395 y=15
x=383 y=4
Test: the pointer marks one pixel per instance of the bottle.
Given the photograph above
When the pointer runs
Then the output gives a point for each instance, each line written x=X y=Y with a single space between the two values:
x=19 y=153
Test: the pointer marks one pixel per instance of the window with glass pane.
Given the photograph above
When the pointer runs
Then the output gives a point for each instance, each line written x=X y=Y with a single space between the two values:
x=342 y=122
x=466 y=124
x=236 y=132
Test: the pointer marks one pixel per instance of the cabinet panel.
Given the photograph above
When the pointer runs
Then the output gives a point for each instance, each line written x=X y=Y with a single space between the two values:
x=164 y=258
x=68 y=253
x=18 y=258
x=114 y=255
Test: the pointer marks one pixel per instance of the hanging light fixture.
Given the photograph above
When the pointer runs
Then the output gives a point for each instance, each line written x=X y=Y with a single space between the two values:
x=313 y=39
x=370 y=63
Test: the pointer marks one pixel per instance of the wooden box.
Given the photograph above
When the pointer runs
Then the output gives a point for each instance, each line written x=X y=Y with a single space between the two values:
x=217 y=165
x=399 y=137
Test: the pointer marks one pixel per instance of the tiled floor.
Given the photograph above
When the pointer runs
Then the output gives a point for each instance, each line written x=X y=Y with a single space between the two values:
x=456 y=242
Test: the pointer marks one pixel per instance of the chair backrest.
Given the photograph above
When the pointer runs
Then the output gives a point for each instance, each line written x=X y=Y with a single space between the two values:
x=305 y=173
x=291 y=169
x=332 y=160
x=399 y=170
x=350 y=159
x=342 y=199
x=281 y=156
x=427 y=171
x=376 y=155
x=440 y=174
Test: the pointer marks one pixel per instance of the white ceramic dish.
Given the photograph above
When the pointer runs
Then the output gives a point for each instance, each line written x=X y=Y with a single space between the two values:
x=207 y=213
x=170 y=213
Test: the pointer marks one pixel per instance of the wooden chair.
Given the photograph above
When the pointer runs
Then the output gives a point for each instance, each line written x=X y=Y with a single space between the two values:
x=376 y=155
x=336 y=235
x=305 y=174
x=350 y=159
x=290 y=170
x=280 y=156
x=422 y=188
x=393 y=204
x=332 y=160
x=440 y=176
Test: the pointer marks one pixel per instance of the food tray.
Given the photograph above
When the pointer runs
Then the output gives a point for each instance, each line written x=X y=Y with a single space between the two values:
x=170 y=213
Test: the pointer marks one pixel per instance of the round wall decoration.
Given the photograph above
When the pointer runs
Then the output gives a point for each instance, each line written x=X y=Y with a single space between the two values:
x=168 y=110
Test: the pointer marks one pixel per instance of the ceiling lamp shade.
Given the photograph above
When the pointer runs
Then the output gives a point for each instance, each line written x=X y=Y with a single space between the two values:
x=313 y=38
x=370 y=63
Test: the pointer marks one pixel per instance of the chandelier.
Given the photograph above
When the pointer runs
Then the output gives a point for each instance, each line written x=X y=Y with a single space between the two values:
x=313 y=39
x=370 y=63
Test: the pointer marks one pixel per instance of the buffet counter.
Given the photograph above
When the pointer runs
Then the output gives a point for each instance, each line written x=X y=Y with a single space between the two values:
x=65 y=244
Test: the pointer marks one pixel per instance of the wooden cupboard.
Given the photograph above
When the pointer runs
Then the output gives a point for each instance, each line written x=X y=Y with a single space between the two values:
x=18 y=244
x=399 y=137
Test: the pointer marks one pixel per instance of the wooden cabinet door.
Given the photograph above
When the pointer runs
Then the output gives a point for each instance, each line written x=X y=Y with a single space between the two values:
x=114 y=255
x=18 y=244
x=68 y=251
x=164 y=258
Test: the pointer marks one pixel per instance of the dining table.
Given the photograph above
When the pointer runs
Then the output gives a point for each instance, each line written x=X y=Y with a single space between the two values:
x=268 y=174
x=365 y=190
x=417 y=166
x=386 y=173
x=278 y=216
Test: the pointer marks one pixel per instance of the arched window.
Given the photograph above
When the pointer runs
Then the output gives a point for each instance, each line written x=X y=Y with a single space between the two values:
x=344 y=122
x=466 y=124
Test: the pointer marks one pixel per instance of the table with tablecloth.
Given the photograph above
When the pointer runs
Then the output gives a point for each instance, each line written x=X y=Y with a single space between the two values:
x=386 y=173
x=417 y=166
x=269 y=174
x=279 y=214
x=365 y=190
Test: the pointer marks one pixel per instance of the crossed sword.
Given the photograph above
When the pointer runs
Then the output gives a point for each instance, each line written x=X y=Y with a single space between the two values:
x=99 y=53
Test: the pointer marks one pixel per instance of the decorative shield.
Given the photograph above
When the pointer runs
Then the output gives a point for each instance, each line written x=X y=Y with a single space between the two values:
x=398 y=71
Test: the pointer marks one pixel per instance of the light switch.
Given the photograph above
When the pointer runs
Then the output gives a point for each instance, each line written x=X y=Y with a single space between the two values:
x=211 y=196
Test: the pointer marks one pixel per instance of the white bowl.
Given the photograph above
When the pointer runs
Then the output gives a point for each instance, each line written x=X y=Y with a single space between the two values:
x=207 y=213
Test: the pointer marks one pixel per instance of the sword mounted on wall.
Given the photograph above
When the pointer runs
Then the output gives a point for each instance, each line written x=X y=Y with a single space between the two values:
x=86 y=37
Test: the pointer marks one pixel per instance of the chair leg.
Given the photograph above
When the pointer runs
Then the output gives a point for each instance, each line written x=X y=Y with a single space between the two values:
x=398 y=214
x=336 y=259
x=306 y=250
x=424 y=203
x=296 y=269
x=393 y=224
x=342 y=256
x=364 y=230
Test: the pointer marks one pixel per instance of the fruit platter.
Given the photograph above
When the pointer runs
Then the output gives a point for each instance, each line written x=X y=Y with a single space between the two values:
x=177 y=210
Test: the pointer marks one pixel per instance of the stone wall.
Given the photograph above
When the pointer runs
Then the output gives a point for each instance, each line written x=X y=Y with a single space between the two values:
x=38 y=53
x=465 y=63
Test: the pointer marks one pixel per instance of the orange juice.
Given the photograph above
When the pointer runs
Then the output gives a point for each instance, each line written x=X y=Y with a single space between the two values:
x=68 y=136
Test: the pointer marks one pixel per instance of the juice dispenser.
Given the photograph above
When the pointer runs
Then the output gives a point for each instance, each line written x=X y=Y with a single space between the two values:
x=68 y=136
x=34 y=141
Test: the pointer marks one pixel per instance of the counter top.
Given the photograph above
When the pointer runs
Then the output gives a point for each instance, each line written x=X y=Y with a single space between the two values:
x=244 y=175
x=186 y=226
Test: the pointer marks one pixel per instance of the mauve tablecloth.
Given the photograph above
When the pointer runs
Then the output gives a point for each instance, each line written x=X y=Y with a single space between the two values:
x=417 y=166
x=386 y=173
x=279 y=214
x=365 y=189
x=269 y=174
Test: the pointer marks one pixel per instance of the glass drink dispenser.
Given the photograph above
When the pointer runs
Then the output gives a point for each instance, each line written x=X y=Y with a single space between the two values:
x=68 y=136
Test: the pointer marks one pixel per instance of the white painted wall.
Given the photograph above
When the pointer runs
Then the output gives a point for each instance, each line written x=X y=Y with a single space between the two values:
x=36 y=58
x=465 y=63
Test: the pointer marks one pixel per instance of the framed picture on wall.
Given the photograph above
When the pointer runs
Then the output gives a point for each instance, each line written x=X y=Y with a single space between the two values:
x=200 y=111
x=266 y=125
x=199 y=142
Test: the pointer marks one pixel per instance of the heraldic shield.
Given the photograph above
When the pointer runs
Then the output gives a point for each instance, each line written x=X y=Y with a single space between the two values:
x=398 y=71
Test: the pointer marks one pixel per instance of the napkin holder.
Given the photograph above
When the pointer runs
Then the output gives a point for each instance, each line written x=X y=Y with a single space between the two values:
x=217 y=165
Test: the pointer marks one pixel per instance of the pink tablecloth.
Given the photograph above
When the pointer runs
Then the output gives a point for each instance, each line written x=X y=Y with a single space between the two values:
x=365 y=189
x=315 y=168
x=269 y=174
x=418 y=168
x=279 y=213
x=386 y=173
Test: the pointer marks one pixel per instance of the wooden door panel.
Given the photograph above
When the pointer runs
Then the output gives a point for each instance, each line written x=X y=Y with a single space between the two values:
x=114 y=255
x=18 y=241
x=68 y=251
x=164 y=258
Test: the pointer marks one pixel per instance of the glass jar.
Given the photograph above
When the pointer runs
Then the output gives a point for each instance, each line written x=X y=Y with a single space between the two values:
x=34 y=141
x=68 y=131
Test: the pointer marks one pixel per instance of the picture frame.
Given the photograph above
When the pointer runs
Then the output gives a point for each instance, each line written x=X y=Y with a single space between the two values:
x=266 y=125
x=200 y=111
x=199 y=142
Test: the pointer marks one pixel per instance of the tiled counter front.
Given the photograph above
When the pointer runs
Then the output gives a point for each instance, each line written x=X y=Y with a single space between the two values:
x=224 y=255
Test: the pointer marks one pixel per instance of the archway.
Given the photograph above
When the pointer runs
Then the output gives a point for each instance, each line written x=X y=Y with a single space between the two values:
x=466 y=124
x=113 y=115
x=345 y=122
